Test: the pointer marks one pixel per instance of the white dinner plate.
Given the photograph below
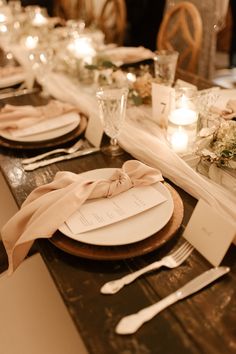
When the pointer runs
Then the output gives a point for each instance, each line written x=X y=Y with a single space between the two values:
x=43 y=136
x=133 y=229
x=12 y=80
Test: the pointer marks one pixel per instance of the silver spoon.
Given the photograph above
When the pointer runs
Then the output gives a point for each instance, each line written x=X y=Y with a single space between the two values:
x=69 y=150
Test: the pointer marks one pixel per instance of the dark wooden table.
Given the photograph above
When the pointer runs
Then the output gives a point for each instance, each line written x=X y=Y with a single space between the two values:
x=203 y=323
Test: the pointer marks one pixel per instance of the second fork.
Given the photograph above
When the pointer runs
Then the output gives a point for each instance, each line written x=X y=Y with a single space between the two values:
x=69 y=150
x=171 y=261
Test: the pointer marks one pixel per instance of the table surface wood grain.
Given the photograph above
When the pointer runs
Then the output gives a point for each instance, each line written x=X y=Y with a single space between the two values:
x=204 y=323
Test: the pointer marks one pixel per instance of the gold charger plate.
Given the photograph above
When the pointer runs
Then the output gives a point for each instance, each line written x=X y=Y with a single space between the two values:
x=84 y=250
x=47 y=143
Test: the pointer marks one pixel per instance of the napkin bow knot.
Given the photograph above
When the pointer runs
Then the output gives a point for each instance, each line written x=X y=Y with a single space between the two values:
x=120 y=182
x=18 y=117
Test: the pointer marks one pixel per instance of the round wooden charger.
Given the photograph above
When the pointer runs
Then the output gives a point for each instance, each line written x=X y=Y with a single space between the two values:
x=84 y=250
x=47 y=143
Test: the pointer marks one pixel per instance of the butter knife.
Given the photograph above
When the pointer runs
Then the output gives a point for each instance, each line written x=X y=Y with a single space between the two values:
x=34 y=166
x=130 y=324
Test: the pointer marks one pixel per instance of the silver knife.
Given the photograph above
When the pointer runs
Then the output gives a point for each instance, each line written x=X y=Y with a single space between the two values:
x=33 y=166
x=130 y=324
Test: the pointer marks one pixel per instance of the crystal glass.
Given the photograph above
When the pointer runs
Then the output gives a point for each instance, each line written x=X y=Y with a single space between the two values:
x=112 y=108
x=165 y=62
x=41 y=62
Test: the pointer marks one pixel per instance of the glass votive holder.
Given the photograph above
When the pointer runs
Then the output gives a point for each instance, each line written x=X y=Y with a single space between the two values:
x=38 y=16
x=165 y=63
x=182 y=123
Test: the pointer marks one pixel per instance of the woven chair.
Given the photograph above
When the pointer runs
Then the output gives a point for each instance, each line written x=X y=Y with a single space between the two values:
x=181 y=30
x=212 y=13
x=112 y=21
x=74 y=9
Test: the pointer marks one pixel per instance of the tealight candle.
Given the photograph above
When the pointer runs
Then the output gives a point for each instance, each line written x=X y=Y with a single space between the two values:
x=179 y=140
x=82 y=48
x=183 y=116
x=39 y=19
x=131 y=77
x=5 y=14
x=31 y=42
x=2 y=18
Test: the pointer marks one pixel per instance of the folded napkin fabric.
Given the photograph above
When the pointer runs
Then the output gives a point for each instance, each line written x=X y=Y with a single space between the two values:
x=229 y=112
x=10 y=70
x=50 y=205
x=19 y=117
x=127 y=55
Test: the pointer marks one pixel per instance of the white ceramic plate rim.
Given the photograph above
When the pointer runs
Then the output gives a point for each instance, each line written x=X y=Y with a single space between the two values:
x=47 y=135
x=131 y=230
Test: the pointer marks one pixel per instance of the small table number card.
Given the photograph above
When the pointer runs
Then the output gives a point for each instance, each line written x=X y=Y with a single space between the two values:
x=94 y=130
x=163 y=98
x=209 y=232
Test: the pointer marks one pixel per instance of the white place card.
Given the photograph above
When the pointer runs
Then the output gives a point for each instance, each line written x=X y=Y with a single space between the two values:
x=48 y=125
x=105 y=211
x=94 y=130
x=209 y=232
x=163 y=98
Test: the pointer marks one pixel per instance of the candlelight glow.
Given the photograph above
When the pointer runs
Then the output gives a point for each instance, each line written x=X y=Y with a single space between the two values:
x=3 y=28
x=2 y=18
x=131 y=77
x=183 y=116
x=31 y=42
x=39 y=19
x=179 y=140
x=81 y=47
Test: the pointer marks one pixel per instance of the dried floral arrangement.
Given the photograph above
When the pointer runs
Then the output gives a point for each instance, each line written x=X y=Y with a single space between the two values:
x=139 y=81
x=216 y=142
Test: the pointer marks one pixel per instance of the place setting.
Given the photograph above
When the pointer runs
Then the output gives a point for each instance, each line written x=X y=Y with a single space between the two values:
x=147 y=230
x=50 y=125
x=153 y=217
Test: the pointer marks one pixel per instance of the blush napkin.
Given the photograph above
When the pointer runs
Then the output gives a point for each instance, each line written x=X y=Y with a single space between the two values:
x=50 y=205
x=18 y=117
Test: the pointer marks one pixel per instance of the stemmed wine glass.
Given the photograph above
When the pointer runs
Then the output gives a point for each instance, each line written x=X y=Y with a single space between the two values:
x=112 y=108
x=41 y=62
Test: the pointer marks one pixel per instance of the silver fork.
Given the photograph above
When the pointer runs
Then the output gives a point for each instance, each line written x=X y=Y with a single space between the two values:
x=171 y=261
x=69 y=150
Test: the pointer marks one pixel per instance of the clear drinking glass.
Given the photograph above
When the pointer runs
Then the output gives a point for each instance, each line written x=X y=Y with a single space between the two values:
x=165 y=62
x=112 y=108
x=41 y=62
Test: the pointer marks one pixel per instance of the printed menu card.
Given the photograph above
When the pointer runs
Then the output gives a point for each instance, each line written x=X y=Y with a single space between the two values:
x=105 y=211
